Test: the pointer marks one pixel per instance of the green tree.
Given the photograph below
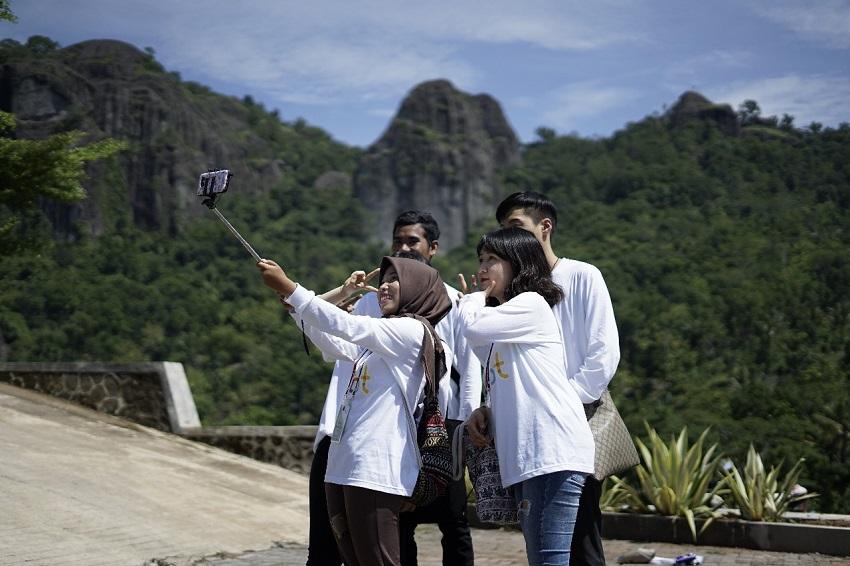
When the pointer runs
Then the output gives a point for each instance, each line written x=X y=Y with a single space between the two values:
x=6 y=12
x=749 y=112
x=41 y=45
x=51 y=168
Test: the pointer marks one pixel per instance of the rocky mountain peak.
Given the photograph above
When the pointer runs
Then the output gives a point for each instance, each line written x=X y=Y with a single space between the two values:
x=111 y=88
x=106 y=59
x=441 y=153
x=693 y=106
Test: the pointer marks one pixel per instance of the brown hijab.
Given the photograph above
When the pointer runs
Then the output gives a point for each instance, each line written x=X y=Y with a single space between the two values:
x=422 y=295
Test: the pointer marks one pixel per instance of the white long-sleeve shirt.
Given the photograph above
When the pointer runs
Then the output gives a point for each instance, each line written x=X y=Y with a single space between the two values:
x=456 y=400
x=588 y=328
x=378 y=448
x=339 y=379
x=538 y=421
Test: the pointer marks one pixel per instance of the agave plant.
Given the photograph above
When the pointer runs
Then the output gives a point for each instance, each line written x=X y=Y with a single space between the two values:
x=763 y=496
x=675 y=480
x=614 y=496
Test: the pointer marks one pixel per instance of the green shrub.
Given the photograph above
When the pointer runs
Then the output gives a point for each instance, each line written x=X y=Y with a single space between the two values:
x=674 y=479
x=764 y=496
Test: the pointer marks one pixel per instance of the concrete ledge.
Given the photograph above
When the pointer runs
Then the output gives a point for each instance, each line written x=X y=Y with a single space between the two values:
x=178 y=398
x=157 y=395
x=778 y=537
x=290 y=447
x=154 y=394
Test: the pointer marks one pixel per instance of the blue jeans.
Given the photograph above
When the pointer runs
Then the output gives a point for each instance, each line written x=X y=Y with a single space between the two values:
x=548 y=506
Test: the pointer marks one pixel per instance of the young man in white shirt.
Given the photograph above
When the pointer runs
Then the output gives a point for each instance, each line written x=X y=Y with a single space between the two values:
x=417 y=232
x=591 y=343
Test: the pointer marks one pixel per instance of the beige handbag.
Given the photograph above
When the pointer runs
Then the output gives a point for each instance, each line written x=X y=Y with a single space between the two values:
x=615 y=451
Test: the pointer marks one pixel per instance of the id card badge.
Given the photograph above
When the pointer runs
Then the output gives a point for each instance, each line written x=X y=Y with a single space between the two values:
x=341 y=418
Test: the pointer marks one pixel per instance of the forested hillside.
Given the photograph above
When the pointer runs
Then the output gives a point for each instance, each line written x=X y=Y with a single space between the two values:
x=727 y=254
x=723 y=239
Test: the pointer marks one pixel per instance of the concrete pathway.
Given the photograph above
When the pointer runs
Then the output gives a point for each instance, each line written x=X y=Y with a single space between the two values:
x=81 y=488
x=506 y=548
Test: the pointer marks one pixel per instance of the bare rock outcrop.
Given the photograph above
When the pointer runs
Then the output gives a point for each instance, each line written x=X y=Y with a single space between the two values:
x=692 y=106
x=442 y=152
x=175 y=131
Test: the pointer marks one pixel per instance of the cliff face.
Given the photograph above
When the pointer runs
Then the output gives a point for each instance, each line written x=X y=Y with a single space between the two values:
x=176 y=130
x=441 y=153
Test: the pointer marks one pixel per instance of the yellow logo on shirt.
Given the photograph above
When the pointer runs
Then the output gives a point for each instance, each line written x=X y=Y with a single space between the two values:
x=364 y=379
x=498 y=365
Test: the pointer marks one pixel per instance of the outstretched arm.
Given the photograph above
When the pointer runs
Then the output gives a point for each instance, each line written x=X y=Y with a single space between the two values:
x=357 y=281
x=517 y=321
x=387 y=337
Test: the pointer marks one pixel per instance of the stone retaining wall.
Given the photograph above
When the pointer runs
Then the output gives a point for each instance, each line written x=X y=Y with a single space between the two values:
x=154 y=394
x=289 y=447
x=157 y=394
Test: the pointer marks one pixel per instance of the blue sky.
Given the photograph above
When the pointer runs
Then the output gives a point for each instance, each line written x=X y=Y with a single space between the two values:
x=586 y=67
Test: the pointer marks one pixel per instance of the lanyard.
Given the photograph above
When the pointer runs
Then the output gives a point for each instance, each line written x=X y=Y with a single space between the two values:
x=354 y=380
x=487 y=375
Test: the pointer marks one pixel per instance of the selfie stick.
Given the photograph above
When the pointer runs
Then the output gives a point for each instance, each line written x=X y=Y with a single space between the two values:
x=209 y=202
x=235 y=233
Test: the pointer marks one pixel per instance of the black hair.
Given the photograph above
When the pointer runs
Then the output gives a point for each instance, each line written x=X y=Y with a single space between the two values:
x=410 y=254
x=531 y=271
x=536 y=205
x=429 y=224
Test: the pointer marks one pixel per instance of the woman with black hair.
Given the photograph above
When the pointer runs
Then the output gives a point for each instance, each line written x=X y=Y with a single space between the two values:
x=533 y=414
x=373 y=461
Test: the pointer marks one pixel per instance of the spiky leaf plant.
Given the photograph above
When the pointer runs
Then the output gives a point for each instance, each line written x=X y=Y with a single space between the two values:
x=674 y=479
x=764 y=496
x=614 y=497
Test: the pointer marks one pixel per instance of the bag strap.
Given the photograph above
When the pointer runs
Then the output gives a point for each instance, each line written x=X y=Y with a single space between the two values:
x=411 y=419
x=458 y=447
x=458 y=451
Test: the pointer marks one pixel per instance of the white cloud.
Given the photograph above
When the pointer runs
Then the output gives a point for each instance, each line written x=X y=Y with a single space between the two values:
x=814 y=98
x=716 y=59
x=571 y=106
x=326 y=51
x=523 y=102
x=382 y=112
x=325 y=70
x=554 y=24
x=320 y=52
x=826 y=21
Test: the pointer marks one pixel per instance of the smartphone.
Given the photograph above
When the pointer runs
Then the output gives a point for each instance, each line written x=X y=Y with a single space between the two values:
x=213 y=182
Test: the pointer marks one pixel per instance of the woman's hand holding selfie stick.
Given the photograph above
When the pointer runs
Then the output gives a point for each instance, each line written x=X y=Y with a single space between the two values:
x=274 y=277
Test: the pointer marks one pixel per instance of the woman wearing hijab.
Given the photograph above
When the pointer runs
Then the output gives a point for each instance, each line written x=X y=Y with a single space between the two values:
x=373 y=462
x=536 y=418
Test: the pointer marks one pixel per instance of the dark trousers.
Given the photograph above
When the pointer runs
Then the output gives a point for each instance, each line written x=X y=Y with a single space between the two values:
x=365 y=524
x=449 y=512
x=321 y=549
x=586 y=549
